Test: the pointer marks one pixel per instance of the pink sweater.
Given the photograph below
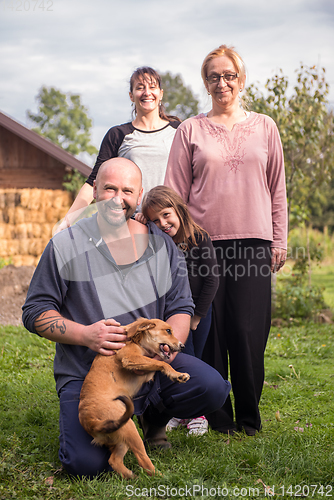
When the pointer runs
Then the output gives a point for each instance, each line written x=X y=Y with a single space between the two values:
x=233 y=182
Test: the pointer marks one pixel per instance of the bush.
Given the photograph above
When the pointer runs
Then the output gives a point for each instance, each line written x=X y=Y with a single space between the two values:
x=298 y=301
x=320 y=243
x=295 y=296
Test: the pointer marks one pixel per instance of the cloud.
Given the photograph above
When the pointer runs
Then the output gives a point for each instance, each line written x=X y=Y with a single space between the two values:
x=92 y=48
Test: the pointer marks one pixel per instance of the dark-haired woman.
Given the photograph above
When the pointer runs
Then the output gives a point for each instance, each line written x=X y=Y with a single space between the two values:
x=146 y=140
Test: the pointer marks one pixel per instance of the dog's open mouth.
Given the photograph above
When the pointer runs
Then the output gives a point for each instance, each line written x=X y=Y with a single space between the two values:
x=166 y=350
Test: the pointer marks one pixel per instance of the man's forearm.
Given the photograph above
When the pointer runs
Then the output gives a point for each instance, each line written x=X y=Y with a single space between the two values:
x=53 y=326
x=104 y=336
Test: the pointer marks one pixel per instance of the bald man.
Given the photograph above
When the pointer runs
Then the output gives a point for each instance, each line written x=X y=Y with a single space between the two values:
x=106 y=271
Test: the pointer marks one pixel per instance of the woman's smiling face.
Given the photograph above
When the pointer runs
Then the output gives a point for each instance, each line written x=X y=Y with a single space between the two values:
x=146 y=94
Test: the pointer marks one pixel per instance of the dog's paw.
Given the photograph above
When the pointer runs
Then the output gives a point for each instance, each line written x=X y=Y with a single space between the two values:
x=154 y=473
x=182 y=377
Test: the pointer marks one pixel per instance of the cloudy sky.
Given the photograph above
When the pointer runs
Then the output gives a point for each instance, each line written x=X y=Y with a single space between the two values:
x=91 y=47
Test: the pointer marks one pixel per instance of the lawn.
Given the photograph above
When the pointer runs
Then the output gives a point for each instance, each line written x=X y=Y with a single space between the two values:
x=323 y=276
x=293 y=454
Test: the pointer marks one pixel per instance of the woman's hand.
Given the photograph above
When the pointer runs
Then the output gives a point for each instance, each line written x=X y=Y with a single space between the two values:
x=64 y=224
x=278 y=258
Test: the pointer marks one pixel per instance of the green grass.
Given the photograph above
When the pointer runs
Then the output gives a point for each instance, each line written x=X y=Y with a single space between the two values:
x=323 y=276
x=5 y=262
x=295 y=447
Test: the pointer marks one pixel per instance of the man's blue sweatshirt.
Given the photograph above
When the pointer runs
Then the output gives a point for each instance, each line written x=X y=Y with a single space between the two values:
x=78 y=278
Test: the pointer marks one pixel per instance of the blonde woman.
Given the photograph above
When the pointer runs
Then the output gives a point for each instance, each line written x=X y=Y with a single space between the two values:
x=228 y=167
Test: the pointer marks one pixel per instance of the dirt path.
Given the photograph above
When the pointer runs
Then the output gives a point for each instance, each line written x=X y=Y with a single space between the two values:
x=14 y=283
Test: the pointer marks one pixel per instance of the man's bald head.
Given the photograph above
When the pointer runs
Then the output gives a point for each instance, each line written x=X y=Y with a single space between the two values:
x=123 y=164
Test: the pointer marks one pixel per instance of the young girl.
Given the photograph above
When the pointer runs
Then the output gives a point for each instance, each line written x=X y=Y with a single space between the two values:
x=163 y=206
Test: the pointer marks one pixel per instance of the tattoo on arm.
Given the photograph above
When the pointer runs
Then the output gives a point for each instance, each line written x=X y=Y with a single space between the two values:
x=52 y=323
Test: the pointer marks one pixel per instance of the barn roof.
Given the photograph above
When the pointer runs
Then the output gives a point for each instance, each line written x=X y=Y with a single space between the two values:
x=44 y=144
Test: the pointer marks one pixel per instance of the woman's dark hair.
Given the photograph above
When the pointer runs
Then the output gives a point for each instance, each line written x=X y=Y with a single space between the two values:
x=149 y=74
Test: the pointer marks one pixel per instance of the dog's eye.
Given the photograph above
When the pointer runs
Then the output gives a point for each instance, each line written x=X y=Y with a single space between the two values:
x=169 y=331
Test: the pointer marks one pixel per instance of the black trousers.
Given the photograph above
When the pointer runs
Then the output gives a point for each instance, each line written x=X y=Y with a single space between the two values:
x=239 y=330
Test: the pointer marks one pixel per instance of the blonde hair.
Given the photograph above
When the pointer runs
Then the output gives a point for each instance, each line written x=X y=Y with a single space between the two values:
x=161 y=197
x=231 y=53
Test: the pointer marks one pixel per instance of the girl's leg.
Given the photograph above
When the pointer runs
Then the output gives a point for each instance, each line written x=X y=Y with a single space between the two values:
x=200 y=335
x=215 y=349
x=189 y=347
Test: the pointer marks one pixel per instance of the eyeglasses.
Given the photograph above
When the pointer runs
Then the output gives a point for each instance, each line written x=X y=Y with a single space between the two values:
x=227 y=77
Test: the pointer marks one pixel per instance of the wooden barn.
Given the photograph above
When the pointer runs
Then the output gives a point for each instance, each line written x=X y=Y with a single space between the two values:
x=32 y=197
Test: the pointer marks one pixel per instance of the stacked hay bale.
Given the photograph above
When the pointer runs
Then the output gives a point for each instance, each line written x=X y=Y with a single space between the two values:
x=27 y=217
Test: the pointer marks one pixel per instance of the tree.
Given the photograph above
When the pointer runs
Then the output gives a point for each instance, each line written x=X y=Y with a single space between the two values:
x=306 y=127
x=63 y=119
x=178 y=99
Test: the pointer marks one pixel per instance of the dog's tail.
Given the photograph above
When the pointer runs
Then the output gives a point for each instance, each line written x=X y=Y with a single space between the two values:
x=112 y=425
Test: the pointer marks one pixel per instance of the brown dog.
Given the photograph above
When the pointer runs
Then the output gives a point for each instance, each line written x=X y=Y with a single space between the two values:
x=112 y=382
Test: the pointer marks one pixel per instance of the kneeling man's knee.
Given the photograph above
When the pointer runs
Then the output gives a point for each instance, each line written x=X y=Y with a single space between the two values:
x=81 y=466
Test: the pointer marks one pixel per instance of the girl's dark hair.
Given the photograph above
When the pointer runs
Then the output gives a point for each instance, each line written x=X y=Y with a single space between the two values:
x=149 y=74
x=161 y=197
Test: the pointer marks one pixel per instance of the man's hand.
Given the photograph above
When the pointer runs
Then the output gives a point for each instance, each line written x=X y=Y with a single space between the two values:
x=278 y=258
x=104 y=337
x=194 y=322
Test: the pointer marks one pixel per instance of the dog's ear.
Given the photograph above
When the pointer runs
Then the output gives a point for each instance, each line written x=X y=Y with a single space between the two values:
x=140 y=325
